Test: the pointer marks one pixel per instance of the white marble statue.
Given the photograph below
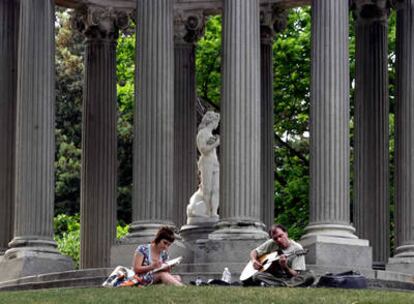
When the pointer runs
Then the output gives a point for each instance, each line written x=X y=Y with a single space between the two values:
x=205 y=201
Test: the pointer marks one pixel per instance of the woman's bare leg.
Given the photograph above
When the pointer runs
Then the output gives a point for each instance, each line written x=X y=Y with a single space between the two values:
x=168 y=278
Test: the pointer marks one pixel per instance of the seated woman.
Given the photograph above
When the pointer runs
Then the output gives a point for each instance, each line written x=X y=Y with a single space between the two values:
x=151 y=256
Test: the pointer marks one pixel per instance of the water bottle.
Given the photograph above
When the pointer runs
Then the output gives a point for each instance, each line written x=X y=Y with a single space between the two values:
x=226 y=275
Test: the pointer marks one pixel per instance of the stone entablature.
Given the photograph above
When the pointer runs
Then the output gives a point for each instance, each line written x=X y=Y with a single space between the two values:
x=209 y=7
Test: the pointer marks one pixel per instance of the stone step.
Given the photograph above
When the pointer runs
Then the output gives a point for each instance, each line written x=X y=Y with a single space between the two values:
x=73 y=278
x=77 y=282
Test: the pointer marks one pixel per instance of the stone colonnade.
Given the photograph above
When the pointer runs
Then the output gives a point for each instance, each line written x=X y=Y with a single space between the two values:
x=165 y=129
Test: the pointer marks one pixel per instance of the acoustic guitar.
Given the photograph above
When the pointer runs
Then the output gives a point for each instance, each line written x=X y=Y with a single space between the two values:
x=267 y=260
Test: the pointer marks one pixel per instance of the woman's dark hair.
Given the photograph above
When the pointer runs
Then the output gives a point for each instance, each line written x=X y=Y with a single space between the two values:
x=275 y=226
x=164 y=233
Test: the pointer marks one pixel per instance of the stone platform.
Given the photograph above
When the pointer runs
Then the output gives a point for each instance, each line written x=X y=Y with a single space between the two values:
x=94 y=278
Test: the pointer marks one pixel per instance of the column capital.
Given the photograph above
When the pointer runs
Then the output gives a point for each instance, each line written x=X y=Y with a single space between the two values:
x=100 y=23
x=280 y=16
x=369 y=11
x=273 y=19
x=188 y=26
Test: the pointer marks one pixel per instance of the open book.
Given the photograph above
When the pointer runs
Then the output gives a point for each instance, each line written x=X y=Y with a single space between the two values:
x=168 y=263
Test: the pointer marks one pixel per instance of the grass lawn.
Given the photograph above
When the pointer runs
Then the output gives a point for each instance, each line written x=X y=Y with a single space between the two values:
x=191 y=294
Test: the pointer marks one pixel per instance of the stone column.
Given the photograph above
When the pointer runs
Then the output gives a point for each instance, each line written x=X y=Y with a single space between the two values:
x=8 y=67
x=33 y=250
x=154 y=120
x=99 y=138
x=188 y=28
x=240 y=163
x=371 y=207
x=329 y=235
x=403 y=259
x=266 y=118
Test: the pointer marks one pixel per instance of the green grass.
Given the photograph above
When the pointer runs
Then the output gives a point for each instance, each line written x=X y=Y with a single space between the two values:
x=190 y=294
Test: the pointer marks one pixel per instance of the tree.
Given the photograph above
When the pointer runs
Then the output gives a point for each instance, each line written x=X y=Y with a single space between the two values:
x=125 y=70
x=208 y=62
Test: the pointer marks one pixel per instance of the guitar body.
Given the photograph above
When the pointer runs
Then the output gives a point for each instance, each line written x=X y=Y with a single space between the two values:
x=266 y=260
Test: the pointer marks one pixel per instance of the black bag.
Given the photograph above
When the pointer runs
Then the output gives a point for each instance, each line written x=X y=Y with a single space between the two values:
x=349 y=279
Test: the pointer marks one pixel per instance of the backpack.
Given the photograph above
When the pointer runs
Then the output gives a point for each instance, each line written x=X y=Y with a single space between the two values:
x=349 y=279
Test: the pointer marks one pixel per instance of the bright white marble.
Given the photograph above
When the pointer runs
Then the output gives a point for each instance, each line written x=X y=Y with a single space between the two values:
x=205 y=201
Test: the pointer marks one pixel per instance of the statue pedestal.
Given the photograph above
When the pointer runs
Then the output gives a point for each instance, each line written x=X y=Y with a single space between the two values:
x=209 y=257
x=197 y=231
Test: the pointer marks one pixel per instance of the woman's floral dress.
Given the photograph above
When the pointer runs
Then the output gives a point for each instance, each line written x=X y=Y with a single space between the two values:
x=145 y=250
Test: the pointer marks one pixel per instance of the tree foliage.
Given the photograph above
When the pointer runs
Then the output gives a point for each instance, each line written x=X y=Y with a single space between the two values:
x=291 y=90
x=208 y=62
x=125 y=71
x=69 y=84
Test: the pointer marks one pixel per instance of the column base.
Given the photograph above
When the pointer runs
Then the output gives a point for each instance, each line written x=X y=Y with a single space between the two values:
x=239 y=230
x=340 y=252
x=401 y=264
x=403 y=260
x=142 y=232
x=332 y=230
x=19 y=262
x=404 y=251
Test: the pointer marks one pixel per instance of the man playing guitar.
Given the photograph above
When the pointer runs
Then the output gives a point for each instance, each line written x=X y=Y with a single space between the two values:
x=289 y=269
